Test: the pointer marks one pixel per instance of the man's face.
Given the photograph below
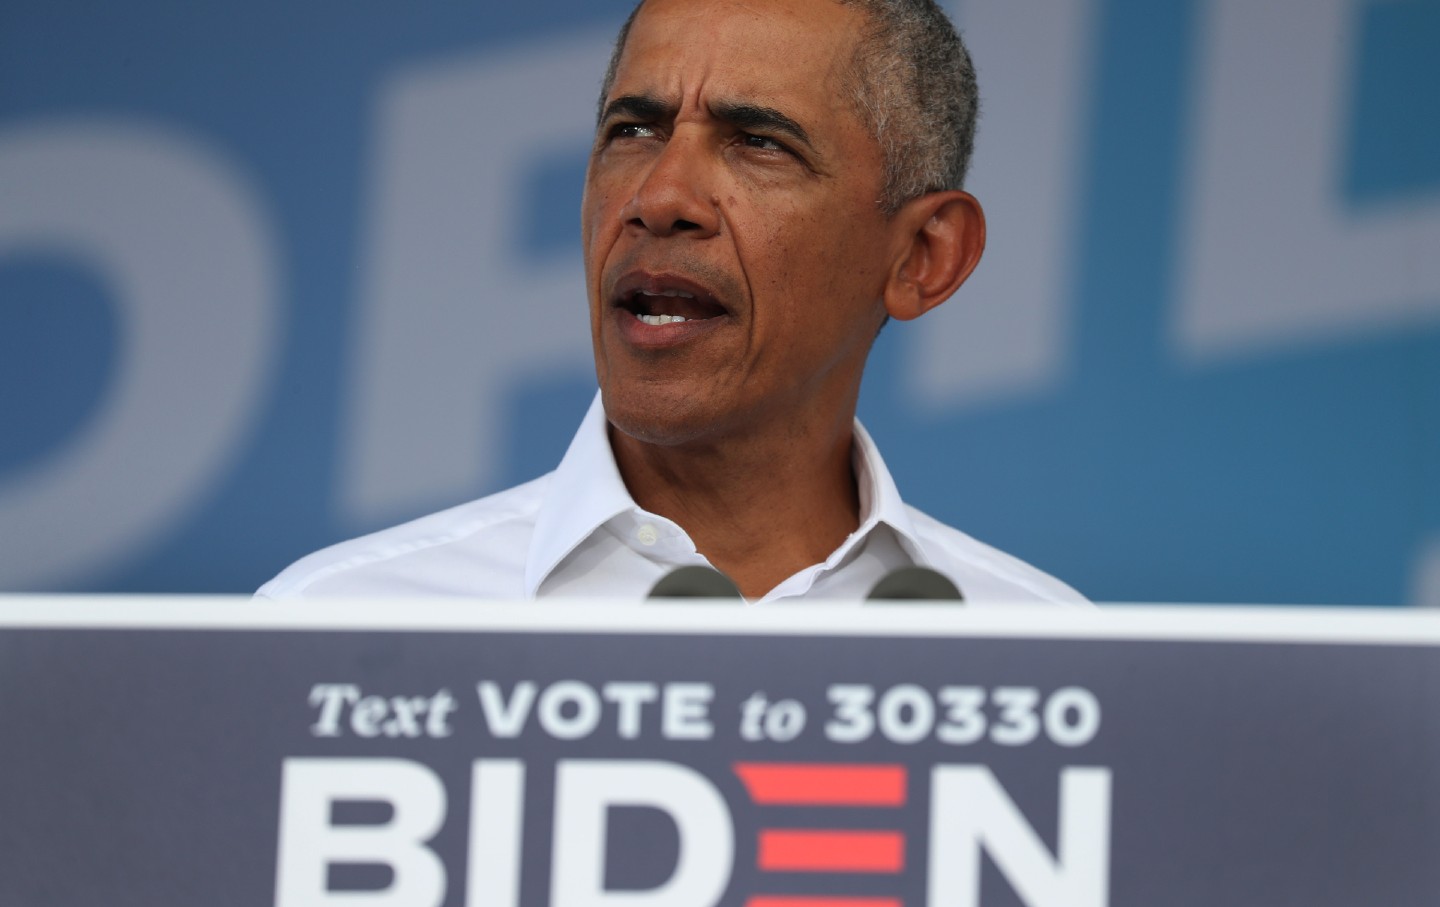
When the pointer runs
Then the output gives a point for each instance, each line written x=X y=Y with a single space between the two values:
x=733 y=184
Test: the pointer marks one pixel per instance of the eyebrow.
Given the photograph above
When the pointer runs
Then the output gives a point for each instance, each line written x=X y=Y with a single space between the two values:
x=641 y=107
x=753 y=116
x=749 y=117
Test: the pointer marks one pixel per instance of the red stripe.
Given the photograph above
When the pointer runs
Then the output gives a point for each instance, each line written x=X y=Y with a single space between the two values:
x=788 y=784
x=778 y=901
x=831 y=851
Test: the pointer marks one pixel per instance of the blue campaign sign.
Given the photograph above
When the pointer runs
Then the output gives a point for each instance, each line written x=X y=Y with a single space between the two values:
x=427 y=754
x=272 y=275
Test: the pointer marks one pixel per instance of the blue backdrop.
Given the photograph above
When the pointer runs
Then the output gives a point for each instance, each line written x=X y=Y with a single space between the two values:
x=274 y=274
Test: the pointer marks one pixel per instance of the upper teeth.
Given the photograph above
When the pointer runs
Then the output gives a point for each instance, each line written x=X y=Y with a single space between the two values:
x=661 y=319
x=681 y=293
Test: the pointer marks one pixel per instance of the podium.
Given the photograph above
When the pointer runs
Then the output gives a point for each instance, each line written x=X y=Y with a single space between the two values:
x=218 y=751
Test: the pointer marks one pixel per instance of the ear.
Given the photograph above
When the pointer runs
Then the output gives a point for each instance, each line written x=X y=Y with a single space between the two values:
x=942 y=235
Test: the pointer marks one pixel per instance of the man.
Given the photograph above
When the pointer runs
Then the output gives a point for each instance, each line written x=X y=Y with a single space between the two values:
x=770 y=181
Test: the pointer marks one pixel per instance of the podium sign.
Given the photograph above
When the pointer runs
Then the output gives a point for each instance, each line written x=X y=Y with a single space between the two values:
x=224 y=752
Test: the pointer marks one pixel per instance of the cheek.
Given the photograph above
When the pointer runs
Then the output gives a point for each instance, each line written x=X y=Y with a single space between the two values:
x=592 y=208
x=596 y=230
x=783 y=244
x=815 y=260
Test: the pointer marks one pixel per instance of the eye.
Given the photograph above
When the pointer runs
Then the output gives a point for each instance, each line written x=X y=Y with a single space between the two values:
x=762 y=142
x=630 y=131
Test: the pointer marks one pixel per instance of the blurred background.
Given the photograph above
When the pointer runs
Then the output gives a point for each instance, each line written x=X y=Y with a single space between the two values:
x=276 y=273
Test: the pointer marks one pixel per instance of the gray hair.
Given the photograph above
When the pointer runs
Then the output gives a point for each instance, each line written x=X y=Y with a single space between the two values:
x=913 y=86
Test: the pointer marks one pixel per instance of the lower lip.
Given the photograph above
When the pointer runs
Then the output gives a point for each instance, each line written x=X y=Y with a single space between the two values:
x=662 y=336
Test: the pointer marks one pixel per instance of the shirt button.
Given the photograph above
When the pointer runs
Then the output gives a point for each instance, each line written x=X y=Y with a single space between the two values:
x=647 y=535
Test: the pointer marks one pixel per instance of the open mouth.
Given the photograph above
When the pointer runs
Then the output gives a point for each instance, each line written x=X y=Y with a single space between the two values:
x=656 y=304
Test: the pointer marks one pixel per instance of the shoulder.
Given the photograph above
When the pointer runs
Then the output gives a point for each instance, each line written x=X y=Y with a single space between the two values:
x=987 y=575
x=477 y=548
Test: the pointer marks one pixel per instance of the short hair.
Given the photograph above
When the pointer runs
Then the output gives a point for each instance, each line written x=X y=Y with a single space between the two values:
x=913 y=85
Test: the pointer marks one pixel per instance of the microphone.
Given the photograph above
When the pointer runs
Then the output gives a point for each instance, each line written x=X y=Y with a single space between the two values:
x=915 y=584
x=695 y=581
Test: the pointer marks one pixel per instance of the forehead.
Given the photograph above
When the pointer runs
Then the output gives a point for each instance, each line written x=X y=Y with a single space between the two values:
x=779 y=52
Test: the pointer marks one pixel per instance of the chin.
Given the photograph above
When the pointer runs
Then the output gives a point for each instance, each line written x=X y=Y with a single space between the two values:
x=665 y=417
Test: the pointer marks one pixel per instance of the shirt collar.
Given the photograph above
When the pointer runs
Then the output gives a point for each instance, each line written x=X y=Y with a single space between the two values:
x=586 y=492
x=879 y=498
x=880 y=503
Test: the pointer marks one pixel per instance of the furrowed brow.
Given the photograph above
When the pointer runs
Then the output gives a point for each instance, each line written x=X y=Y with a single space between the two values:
x=645 y=108
x=753 y=117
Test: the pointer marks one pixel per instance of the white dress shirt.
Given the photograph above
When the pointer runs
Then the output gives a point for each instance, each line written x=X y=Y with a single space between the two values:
x=576 y=532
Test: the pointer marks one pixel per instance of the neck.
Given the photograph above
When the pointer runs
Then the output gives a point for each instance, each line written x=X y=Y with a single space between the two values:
x=760 y=509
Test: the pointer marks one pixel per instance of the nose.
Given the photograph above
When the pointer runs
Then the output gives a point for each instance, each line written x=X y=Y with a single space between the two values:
x=675 y=195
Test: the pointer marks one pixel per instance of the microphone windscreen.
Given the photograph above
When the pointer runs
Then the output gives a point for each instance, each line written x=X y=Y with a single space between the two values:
x=695 y=581
x=915 y=584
